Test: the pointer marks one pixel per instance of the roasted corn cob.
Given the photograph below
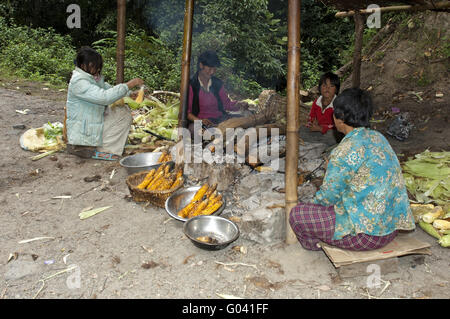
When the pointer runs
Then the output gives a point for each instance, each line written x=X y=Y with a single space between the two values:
x=211 y=190
x=201 y=192
x=183 y=213
x=147 y=179
x=210 y=209
x=199 y=208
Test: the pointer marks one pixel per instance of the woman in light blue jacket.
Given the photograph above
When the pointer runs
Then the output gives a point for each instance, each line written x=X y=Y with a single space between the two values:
x=94 y=129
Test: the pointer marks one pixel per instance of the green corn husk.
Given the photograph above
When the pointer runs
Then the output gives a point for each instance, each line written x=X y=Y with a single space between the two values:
x=427 y=177
x=92 y=212
x=429 y=229
x=445 y=241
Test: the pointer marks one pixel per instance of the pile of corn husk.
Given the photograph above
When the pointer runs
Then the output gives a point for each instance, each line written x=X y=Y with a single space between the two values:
x=427 y=177
x=154 y=115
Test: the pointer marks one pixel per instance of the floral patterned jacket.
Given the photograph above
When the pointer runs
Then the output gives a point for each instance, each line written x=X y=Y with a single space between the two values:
x=364 y=183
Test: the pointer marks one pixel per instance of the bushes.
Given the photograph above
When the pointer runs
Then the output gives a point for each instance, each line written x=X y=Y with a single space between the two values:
x=38 y=54
x=146 y=57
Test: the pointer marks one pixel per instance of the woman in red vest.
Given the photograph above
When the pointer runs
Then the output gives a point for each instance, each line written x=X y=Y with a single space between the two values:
x=208 y=100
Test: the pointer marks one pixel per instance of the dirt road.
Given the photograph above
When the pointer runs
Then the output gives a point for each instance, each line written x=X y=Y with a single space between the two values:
x=134 y=251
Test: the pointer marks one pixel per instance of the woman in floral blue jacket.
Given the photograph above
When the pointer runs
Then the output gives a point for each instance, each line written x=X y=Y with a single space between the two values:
x=363 y=200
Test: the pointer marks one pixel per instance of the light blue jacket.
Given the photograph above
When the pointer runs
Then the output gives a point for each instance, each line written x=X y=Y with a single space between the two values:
x=86 y=103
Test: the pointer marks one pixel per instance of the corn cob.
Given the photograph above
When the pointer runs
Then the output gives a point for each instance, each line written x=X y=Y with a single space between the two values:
x=166 y=170
x=211 y=190
x=168 y=182
x=179 y=173
x=155 y=179
x=199 y=208
x=183 y=213
x=160 y=168
x=441 y=224
x=157 y=184
x=445 y=241
x=201 y=192
x=147 y=179
x=177 y=182
x=140 y=97
x=211 y=209
x=213 y=195
x=434 y=214
x=429 y=229
x=161 y=157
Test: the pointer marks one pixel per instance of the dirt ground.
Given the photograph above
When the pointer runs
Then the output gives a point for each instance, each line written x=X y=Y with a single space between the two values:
x=134 y=251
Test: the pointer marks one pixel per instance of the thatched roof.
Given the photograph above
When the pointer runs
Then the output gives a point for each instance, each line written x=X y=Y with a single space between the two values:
x=363 y=4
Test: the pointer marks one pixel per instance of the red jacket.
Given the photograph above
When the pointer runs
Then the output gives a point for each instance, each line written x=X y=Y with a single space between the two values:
x=324 y=117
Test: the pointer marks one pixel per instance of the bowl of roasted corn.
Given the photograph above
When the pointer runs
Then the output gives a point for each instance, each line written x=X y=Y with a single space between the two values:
x=193 y=201
x=144 y=161
x=211 y=232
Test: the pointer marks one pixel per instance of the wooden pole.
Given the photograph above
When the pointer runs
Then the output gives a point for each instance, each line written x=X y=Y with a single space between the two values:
x=186 y=63
x=437 y=6
x=292 y=112
x=359 y=30
x=120 y=54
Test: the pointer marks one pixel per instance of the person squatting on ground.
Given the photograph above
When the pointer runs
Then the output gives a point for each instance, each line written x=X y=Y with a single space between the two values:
x=363 y=201
x=208 y=99
x=321 y=114
x=95 y=129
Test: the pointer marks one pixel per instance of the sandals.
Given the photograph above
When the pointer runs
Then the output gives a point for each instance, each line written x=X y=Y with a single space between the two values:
x=105 y=156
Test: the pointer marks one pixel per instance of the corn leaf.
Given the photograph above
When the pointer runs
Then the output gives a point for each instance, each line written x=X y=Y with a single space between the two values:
x=92 y=212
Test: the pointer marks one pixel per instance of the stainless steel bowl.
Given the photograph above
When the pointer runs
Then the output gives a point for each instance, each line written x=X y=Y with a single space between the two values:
x=141 y=162
x=181 y=198
x=221 y=230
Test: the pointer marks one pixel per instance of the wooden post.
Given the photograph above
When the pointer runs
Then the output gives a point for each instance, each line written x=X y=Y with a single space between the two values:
x=292 y=111
x=185 y=64
x=120 y=54
x=359 y=30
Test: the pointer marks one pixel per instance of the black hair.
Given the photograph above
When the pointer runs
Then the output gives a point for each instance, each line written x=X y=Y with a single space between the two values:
x=88 y=56
x=334 y=80
x=208 y=58
x=354 y=107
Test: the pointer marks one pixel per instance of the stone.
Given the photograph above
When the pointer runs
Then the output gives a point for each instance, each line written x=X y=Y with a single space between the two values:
x=265 y=224
x=21 y=268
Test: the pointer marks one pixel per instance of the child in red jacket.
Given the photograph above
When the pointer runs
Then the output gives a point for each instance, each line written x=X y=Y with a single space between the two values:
x=321 y=114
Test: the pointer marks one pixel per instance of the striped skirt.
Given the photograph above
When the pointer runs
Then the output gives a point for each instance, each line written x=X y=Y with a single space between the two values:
x=313 y=223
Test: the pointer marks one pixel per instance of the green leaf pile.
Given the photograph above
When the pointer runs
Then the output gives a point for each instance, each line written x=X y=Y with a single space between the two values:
x=427 y=177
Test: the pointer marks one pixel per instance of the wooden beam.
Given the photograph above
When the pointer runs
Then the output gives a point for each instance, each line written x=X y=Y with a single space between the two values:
x=436 y=6
x=185 y=64
x=359 y=31
x=292 y=111
x=120 y=54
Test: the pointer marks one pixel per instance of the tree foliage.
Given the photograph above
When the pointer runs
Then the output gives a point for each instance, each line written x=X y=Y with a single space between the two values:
x=249 y=35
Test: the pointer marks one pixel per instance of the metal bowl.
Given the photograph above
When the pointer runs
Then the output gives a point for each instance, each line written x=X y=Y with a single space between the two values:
x=221 y=230
x=141 y=162
x=181 y=198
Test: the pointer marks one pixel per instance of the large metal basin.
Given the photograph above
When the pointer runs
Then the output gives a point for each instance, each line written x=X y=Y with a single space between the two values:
x=181 y=198
x=141 y=162
x=223 y=231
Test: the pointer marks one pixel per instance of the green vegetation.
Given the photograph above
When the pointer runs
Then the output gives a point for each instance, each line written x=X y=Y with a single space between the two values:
x=250 y=37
